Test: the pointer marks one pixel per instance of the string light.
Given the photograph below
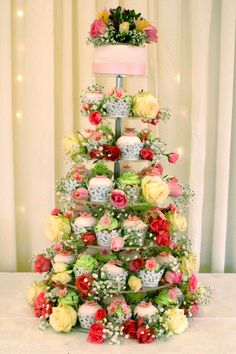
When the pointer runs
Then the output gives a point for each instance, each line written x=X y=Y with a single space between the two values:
x=20 y=13
x=178 y=78
x=19 y=78
x=180 y=151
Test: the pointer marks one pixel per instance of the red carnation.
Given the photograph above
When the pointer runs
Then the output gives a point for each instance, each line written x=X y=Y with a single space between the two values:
x=89 y=238
x=111 y=153
x=130 y=328
x=145 y=335
x=100 y=315
x=159 y=224
x=42 y=307
x=147 y=154
x=95 y=118
x=163 y=238
x=84 y=283
x=42 y=264
x=96 y=154
x=136 y=265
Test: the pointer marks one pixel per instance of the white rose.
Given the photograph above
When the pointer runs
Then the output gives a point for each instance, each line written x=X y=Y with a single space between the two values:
x=59 y=267
x=176 y=320
x=179 y=222
x=154 y=189
x=68 y=143
x=62 y=278
x=63 y=318
x=145 y=105
x=57 y=227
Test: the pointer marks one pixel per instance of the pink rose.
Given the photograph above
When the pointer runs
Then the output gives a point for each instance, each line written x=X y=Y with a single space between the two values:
x=117 y=244
x=55 y=211
x=151 y=33
x=173 y=277
x=119 y=93
x=173 y=157
x=95 y=118
x=58 y=247
x=192 y=283
x=98 y=27
x=151 y=263
x=172 y=294
x=80 y=193
x=78 y=178
x=175 y=189
x=172 y=207
x=125 y=309
x=62 y=291
x=157 y=169
x=194 y=308
x=105 y=221
x=118 y=199
x=112 y=308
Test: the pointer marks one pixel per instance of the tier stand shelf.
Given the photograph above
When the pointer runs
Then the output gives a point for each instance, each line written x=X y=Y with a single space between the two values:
x=119 y=85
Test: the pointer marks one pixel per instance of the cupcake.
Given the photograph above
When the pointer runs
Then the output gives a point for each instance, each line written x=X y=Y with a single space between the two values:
x=99 y=189
x=145 y=309
x=106 y=230
x=115 y=273
x=86 y=313
x=85 y=264
x=118 y=104
x=119 y=312
x=130 y=182
x=151 y=274
x=134 y=231
x=130 y=145
x=84 y=223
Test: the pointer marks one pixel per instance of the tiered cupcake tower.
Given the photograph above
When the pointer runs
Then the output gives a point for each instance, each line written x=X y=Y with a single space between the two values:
x=119 y=265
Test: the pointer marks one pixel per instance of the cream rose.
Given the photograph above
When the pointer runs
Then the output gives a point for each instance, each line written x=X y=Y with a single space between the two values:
x=57 y=227
x=179 y=222
x=154 y=190
x=59 y=267
x=68 y=143
x=62 y=278
x=34 y=291
x=188 y=264
x=134 y=283
x=124 y=28
x=63 y=318
x=176 y=320
x=145 y=105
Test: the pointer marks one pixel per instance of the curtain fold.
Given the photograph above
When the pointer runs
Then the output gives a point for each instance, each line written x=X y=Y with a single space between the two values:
x=45 y=65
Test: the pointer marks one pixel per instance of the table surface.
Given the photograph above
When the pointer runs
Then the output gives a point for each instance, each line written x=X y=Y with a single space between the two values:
x=212 y=331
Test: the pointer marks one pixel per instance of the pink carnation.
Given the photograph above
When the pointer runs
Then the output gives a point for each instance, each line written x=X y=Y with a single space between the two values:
x=118 y=199
x=117 y=244
x=98 y=28
x=175 y=190
x=193 y=283
x=80 y=193
x=151 y=263
x=173 y=157
x=151 y=33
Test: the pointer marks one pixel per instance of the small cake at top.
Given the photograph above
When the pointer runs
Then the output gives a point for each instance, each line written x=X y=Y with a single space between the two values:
x=119 y=36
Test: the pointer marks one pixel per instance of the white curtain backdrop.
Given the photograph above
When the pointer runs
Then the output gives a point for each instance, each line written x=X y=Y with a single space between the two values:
x=45 y=63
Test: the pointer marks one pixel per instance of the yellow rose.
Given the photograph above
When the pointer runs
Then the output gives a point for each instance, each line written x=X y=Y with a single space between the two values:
x=124 y=28
x=145 y=105
x=68 y=143
x=154 y=190
x=141 y=24
x=134 y=283
x=103 y=15
x=176 y=320
x=188 y=264
x=57 y=227
x=62 y=277
x=179 y=222
x=59 y=267
x=63 y=318
x=34 y=291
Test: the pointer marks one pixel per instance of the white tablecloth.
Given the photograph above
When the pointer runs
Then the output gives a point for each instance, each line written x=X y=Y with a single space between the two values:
x=212 y=331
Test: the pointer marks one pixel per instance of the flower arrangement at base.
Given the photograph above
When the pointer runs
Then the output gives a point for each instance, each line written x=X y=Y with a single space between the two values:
x=120 y=264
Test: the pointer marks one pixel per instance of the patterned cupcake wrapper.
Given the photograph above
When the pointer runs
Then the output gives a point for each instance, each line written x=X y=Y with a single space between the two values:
x=99 y=194
x=131 y=152
x=150 y=278
x=80 y=230
x=119 y=109
x=105 y=237
x=118 y=279
x=86 y=321
x=81 y=271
